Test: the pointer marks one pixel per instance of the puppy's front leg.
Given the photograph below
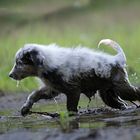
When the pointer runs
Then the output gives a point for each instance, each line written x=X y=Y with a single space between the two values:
x=72 y=102
x=43 y=93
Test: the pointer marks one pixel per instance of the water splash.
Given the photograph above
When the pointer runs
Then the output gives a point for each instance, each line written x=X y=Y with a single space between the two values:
x=57 y=106
x=135 y=77
x=18 y=83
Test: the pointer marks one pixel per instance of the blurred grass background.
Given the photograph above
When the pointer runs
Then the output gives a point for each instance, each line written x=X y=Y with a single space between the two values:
x=67 y=23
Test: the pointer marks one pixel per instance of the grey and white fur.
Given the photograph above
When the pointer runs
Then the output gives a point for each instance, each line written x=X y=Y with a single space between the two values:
x=73 y=71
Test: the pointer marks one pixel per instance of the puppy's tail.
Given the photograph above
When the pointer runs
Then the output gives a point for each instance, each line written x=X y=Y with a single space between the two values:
x=120 y=57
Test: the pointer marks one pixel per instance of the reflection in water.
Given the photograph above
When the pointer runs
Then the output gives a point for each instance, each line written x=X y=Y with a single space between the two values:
x=105 y=118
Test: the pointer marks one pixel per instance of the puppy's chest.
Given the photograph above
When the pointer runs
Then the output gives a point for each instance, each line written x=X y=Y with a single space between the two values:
x=54 y=81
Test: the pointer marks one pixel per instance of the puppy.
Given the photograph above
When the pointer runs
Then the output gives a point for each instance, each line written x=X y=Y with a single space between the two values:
x=73 y=71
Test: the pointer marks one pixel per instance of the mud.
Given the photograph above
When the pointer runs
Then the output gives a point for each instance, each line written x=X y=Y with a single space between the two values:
x=100 y=123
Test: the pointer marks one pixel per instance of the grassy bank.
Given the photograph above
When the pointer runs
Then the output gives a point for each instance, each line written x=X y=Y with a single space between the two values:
x=67 y=25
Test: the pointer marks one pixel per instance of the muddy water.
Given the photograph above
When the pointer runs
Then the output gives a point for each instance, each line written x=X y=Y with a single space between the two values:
x=100 y=123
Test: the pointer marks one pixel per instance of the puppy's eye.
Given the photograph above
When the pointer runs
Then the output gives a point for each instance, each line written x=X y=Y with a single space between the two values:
x=27 y=61
x=19 y=62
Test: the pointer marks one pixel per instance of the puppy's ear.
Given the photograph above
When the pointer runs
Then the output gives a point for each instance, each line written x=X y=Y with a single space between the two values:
x=36 y=58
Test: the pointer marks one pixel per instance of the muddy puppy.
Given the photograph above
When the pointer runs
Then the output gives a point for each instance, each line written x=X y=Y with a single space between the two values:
x=73 y=71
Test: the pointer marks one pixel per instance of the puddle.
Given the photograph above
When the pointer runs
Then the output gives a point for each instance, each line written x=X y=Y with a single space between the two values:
x=100 y=123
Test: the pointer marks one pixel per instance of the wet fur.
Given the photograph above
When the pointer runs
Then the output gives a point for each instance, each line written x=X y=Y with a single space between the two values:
x=73 y=71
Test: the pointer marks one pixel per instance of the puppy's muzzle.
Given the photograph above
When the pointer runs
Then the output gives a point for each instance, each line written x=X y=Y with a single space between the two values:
x=13 y=76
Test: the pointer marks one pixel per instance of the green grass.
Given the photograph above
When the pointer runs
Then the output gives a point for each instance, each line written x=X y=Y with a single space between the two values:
x=86 y=26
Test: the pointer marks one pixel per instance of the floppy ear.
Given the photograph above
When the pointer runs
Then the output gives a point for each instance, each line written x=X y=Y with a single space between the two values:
x=36 y=58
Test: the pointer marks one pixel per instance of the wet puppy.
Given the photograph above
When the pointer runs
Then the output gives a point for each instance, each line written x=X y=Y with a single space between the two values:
x=73 y=71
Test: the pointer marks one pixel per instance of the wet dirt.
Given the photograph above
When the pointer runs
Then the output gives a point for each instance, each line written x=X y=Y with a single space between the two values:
x=101 y=123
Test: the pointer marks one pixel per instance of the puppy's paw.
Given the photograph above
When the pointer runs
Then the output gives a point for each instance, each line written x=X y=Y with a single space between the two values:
x=25 y=111
x=72 y=113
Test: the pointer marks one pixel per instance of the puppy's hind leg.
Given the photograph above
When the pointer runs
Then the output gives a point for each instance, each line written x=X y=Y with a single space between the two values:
x=43 y=93
x=128 y=92
x=111 y=99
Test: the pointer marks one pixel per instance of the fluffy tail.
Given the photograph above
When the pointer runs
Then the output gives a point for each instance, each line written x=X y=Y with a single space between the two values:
x=120 y=57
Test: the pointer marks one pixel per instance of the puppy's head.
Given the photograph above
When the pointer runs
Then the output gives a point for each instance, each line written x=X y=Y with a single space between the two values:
x=27 y=62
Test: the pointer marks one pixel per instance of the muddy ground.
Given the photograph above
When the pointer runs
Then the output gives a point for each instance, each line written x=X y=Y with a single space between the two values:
x=100 y=123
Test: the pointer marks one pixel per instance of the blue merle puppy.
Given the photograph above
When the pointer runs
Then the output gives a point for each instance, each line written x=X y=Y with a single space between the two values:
x=73 y=71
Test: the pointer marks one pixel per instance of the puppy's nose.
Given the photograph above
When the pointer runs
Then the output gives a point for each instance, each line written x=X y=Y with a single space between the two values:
x=11 y=75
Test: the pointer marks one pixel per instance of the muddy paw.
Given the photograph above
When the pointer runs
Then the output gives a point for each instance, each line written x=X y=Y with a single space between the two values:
x=25 y=110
